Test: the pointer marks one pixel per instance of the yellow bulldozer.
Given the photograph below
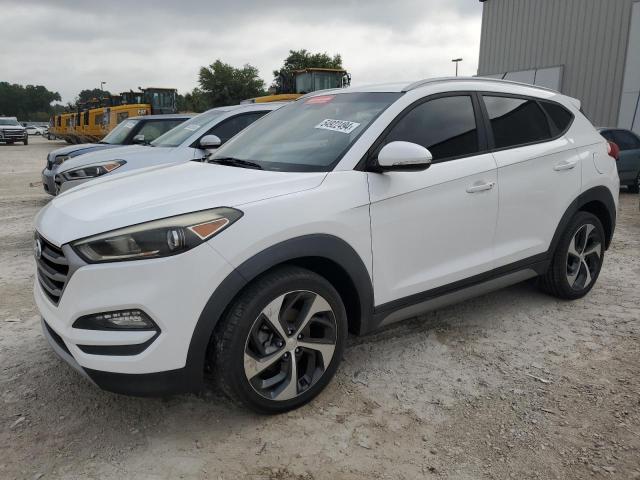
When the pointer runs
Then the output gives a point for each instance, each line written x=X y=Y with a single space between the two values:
x=92 y=120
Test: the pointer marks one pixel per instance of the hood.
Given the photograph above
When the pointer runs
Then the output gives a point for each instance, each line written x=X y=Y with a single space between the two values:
x=106 y=155
x=74 y=150
x=159 y=192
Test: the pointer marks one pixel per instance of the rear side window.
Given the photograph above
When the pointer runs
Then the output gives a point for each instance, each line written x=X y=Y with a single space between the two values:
x=446 y=126
x=559 y=115
x=516 y=121
x=626 y=140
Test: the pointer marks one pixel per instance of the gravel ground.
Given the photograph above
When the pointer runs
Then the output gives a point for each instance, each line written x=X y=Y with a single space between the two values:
x=514 y=384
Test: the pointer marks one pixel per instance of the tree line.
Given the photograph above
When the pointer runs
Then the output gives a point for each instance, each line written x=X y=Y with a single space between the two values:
x=219 y=84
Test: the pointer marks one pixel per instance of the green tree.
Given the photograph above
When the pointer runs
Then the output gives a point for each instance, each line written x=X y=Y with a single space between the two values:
x=301 y=59
x=193 y=101
x=26 y=102
x=90 y=94
x=222 y=84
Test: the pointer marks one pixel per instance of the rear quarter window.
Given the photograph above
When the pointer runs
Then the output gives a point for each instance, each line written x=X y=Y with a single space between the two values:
x=560 y=116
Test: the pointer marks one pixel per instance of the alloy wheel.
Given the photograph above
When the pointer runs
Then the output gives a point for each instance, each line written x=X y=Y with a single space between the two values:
x=290 y=345
x=584 y=257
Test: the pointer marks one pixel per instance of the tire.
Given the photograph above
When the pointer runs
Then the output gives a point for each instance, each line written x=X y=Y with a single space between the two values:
x=26 y=141
x=577 y=260
x=635 y=187
x=246 y=336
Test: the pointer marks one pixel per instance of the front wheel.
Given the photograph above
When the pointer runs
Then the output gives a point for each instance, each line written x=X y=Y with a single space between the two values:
x=577 y=261
x=635 y=187
x=281 y=340
x=26 y=140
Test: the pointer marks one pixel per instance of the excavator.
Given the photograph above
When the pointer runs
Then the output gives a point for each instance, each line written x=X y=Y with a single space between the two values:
x=299 y=82
x=92 y=120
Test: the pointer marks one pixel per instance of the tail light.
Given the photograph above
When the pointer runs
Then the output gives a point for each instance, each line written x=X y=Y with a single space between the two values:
x=613 y=150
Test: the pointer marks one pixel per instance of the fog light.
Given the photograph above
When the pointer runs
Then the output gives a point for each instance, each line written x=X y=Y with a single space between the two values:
x=120 y=320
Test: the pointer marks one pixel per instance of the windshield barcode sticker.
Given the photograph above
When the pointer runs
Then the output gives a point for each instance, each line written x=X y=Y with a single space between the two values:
x=193 y=127
x=342 y=126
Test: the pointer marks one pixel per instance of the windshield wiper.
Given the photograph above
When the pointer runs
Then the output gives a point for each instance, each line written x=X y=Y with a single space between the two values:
x=234 y=162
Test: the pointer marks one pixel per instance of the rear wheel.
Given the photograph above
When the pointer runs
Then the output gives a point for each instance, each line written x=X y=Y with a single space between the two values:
x=635 y=187
x=577 y=260
x=281 y=341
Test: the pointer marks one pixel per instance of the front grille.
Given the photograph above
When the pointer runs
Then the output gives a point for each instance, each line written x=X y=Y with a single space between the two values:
x=53 y=269
x=13 y=133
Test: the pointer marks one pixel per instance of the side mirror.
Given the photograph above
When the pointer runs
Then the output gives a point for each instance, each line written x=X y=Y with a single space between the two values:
x=405 y=156
x=210 y=142
x=139 y=139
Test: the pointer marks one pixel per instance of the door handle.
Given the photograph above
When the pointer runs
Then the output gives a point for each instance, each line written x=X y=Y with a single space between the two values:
x=480 y=187
x=565 y=166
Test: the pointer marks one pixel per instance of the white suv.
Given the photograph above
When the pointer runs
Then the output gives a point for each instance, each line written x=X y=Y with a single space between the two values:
x=345 y=210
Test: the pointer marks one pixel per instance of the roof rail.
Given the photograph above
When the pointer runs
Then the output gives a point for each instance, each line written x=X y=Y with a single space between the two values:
x=421 y=83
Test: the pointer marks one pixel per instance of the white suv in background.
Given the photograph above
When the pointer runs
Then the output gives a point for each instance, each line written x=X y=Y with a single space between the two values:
x=343 y=211
x=191 y=140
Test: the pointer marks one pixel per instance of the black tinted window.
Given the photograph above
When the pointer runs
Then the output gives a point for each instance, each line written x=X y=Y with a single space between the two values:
x=626 y=140
x=446 y=126
x=559 y=115
x=230 y=127
x=516 y=121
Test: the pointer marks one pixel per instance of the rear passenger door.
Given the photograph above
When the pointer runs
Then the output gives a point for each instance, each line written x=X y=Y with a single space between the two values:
x=539 y=172
x=434 y=227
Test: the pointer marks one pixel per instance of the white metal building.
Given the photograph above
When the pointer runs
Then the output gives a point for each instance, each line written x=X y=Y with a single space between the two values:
x=588 y=49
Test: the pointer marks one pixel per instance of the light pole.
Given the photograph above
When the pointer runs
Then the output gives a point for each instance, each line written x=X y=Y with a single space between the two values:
x=102 y=84
x=456 y=61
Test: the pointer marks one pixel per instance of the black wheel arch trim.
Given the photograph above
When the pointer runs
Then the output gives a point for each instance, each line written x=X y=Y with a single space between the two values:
x=322 y=246
x=599 y=195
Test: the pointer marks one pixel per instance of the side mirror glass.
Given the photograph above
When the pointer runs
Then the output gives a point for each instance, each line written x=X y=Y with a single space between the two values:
x=210 y=142
x=404 y=156
x=139 y=139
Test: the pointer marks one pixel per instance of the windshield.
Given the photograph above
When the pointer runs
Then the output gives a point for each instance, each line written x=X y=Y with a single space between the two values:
x=8 y=121
x=178 y=135
x=307 y=135
x=118 y=135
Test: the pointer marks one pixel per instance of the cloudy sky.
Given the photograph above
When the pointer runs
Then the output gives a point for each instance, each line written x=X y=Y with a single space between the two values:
x=68 y=45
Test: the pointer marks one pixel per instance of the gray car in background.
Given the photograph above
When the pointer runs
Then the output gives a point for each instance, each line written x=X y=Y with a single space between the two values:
x=135 y=130
x=629 y=161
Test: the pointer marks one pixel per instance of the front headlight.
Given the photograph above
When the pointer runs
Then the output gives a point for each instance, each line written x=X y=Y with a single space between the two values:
x=92 y=171
x=158 y=238
x=60 y=159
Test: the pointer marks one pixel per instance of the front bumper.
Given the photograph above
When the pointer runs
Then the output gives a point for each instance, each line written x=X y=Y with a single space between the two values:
x=48 y=181
x=172 y=291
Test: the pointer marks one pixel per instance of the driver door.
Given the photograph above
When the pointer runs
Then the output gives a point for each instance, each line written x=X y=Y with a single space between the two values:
x=433 y=227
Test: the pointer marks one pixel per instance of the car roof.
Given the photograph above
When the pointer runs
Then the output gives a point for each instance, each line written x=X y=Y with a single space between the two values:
x=472 y=83
x=166 y=116
x=250 y=107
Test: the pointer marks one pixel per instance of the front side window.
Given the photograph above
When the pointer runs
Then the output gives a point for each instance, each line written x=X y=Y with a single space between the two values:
x=178 y=135
x=516 y=121
x=445 y=126
x=310 y=134
x=230 y=127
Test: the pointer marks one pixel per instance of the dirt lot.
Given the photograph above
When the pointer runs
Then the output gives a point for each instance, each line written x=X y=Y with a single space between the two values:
x=514 y=384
